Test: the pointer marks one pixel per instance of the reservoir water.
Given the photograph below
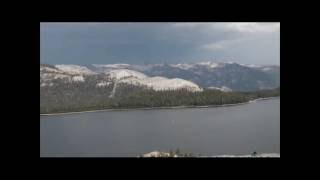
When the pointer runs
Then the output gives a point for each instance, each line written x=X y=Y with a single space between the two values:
x=236 y=130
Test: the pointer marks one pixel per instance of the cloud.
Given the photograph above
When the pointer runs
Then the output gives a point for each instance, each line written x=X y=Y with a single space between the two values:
x=242 y=27
x=220 y=45
x=252 y=27
x=82 y=43
x=233 y=33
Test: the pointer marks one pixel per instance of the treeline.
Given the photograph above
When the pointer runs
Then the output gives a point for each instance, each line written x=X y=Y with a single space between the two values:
x=263 y=93
x=85 y=96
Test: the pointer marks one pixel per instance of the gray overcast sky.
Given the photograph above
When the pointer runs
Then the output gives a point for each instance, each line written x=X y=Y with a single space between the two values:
x=139 y=43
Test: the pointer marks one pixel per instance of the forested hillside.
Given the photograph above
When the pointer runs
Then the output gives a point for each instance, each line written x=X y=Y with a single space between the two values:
x=85 y=96
x=66 y=88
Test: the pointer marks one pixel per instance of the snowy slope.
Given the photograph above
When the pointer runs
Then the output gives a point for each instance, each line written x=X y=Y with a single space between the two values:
x=162 y=83
x=125 y=73
x=251 y=65
x=49 y=69
x=223 y=88
x=64 y=73
x=223 y=76
x=49 y=75
x=235 y=76
x=74 y=69
x=210 y=64
x=182 y=66
x=156 y=83
x=106 y=68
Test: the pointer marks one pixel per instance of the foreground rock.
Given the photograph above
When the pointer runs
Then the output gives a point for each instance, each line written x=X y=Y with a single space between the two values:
x=156 y=154
x=171 y=154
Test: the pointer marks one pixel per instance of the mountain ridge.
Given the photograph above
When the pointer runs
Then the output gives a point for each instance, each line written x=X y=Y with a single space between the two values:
x=70 y=88
x=234 y=76
x=51 y=74
x=207 y=74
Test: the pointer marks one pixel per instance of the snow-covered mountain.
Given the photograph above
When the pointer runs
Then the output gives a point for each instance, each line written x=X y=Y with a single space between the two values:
x=49 y=74
x=74 y=69
x=65 y=88
x=231 y=75
x=228 y=76
x=161 y=83
x=119 y=74
x=110 y=76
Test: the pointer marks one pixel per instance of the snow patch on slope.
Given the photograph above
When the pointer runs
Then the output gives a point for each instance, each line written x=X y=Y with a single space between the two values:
x=161 y=83
x=78 y=78
x=111 y=66
x=103 y=84
x=57 y=76
x=209 y=64
x=48 y=69
x=223 y=88
x=182 y=66
x=251 y=65
x=74 y=69
x=125 y=73
x=156 y=83
x=66 y=73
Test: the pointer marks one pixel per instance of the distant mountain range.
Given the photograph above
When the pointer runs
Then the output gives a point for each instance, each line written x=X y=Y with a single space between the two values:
x=51 y=75
x=65 y=88
x=234 y=76
x=193 y=76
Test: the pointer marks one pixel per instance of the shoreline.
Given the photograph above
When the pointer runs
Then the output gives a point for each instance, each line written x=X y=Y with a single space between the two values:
x=154 y=108
x=163 y=154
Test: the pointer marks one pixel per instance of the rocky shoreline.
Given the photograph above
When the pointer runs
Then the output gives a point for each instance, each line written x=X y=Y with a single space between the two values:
x=161 y=154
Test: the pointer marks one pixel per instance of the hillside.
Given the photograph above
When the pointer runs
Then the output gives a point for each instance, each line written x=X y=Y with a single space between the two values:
x=66 y=88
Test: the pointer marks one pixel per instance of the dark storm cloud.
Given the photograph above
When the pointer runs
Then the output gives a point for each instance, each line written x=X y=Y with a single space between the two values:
x=137 y=43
